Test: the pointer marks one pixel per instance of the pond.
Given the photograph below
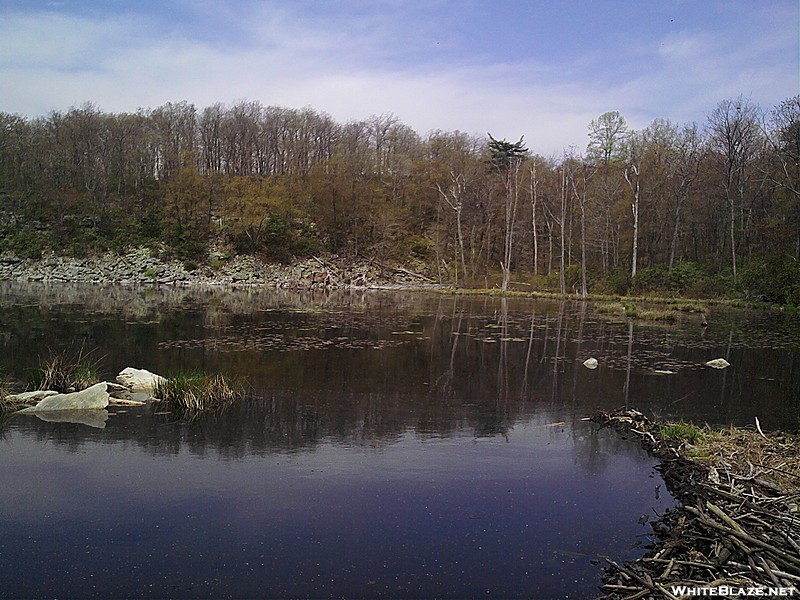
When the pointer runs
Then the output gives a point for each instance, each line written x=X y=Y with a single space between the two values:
x=397 y=444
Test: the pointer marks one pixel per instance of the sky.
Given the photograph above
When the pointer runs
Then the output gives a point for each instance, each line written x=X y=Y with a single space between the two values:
x=542 y=69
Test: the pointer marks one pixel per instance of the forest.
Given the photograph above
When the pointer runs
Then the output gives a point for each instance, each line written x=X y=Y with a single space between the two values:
x=706 y=209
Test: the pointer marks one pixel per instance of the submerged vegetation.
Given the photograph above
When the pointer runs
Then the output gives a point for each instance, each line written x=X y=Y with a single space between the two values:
x=192 y=393
x=669 y=210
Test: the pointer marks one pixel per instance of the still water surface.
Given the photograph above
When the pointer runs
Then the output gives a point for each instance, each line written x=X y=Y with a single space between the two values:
x=398 y=444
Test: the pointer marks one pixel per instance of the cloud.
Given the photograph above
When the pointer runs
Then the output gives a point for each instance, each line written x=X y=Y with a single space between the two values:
x=364 y=58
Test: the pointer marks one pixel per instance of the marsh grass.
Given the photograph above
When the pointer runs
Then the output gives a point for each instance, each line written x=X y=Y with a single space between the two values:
x=682 y=432
x=774 y=456
x=610 y=308
x=5 y=390
x=193 y=393
x=67 y=371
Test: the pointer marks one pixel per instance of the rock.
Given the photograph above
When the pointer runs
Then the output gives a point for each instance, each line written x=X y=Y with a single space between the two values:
x=34 y=396
x=663 y=372
x=590 y=363
x=92 y=398
x=139 y=380
x=718 y=363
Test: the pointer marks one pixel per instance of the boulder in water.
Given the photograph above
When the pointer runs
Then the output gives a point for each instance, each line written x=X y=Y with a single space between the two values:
x=92 y=398
x=718 y=363
x=139 y=380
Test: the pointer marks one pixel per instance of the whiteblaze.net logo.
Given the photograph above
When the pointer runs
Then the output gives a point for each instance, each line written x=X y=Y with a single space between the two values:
x=730 y=591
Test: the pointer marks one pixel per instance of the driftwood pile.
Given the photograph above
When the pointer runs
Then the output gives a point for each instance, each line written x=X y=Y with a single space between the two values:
x=738 y=526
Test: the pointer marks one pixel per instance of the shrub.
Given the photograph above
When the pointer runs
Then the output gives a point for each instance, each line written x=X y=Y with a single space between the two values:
x=775 y=279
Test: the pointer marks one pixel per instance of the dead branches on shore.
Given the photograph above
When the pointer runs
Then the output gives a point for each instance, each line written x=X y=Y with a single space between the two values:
x=738 y=525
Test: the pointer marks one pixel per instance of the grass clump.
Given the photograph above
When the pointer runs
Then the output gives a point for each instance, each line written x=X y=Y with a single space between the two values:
x=5 y=391
x=67 y=371
x=610 y=308
x=681 y=432
x=193 y=393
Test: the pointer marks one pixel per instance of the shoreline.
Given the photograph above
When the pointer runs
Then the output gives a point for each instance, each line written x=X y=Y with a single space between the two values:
x=737 y=525
x=140 y=267
x=325 y=273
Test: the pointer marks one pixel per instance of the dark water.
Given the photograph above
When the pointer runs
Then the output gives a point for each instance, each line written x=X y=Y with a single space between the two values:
x=398 y=445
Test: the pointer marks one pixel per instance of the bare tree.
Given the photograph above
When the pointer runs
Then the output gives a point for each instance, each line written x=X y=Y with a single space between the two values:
x=735 y=133
x=454 y=197
x=633 y=173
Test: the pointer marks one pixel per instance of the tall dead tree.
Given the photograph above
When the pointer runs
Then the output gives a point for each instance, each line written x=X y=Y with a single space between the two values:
x=506 y=160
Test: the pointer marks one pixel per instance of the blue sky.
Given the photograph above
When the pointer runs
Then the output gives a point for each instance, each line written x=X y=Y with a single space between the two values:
x=542 y=69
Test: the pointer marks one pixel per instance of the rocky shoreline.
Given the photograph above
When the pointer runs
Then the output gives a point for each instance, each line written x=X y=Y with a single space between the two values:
x=141 y=267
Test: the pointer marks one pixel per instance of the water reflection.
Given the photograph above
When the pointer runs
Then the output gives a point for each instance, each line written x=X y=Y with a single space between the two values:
x=214 y=510
x=492 y=361
x=398 y=444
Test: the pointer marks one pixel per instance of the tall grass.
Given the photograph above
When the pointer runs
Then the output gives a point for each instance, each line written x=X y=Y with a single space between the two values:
x=67 y=371
x=681 y=432
x=5 y=390
x=192 y=393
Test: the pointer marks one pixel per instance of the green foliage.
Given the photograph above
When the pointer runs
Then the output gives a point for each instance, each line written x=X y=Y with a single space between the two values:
x=681 y=432
x=686 y=279
x=615 y=282
x=25 y=243
x=775 y=279
x=503 y=153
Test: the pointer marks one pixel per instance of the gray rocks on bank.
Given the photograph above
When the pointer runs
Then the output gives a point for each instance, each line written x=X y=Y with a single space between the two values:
x=140 y=267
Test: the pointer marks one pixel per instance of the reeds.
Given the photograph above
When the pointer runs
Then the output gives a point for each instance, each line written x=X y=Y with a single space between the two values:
x=193 y=393
x=5 y=391
x=67 y=371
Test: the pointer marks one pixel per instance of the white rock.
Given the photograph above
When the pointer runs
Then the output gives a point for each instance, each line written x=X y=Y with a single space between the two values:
x=590 y=363
x=718 y=363
x=663 y=372
x=29 y=396
x=139 y=380
x=92 y=398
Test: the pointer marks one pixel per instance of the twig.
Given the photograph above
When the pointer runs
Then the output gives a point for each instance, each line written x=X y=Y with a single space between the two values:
x=758 y=427
x=653 y=587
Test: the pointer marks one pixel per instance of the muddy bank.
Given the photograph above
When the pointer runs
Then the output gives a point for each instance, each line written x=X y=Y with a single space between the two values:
x=738 y=528
x=140 y=266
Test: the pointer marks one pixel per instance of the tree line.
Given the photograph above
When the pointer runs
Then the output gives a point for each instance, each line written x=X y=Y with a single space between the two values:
x=692 y=208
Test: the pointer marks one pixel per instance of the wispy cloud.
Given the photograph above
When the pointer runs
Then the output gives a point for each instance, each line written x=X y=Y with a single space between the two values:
x=362 y=58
